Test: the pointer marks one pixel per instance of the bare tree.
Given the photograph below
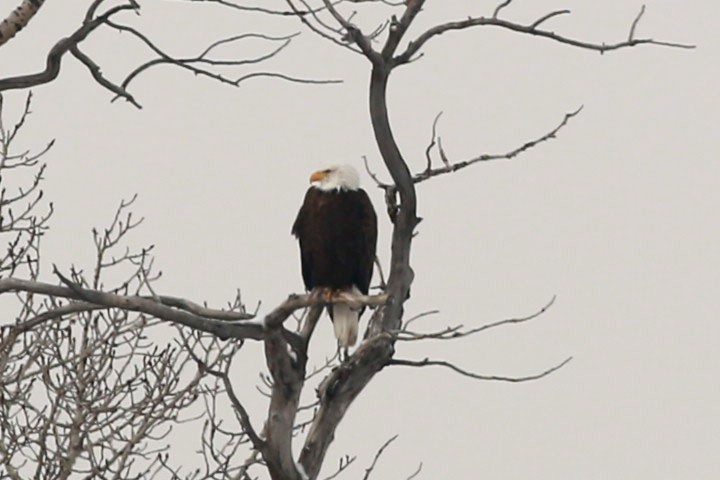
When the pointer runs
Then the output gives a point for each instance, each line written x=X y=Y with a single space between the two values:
x=108 y=395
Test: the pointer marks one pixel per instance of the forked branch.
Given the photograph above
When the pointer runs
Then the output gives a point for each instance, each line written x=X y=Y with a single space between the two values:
x=205 y=63
x=452 y=333
x=450 y=167
x=533 y=30
x=381 y=450
x=57 y=52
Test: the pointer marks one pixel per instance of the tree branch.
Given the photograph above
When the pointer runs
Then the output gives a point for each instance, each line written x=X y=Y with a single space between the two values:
x=451 y=333
x=169 y=308
x=631 y=35
x=202 y=64
x=268 y=11
x=54 y=58
x=427 y=362
x=416 y=472
x=353 y=33
x=500 y=7
x=223 y=323
x=196 y=65
x=295 y=302
x=405 y=219
x=288 y=374
x=344 y=463
x=319 y=30
x=18 y=19
x=336 y=393
x=449 y=167
x=379 y=453
x=531 y=29
x=398 y=29
x=100 y=78
x=243 y=417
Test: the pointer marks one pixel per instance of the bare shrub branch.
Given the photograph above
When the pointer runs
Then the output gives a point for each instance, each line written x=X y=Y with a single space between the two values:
x=22 y=224
x=89 y=391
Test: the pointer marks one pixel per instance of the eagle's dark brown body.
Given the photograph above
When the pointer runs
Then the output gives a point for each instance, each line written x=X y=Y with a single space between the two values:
x=337 y=231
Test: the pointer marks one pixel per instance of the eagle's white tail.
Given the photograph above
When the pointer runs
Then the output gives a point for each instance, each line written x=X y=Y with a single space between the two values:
x=345 y=322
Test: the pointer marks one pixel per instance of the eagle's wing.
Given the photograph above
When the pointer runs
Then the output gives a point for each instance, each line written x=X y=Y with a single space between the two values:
x=367 y=223
x=300 y=230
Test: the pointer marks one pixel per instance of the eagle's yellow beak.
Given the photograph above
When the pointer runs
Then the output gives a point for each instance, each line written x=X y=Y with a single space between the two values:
x=318 y=176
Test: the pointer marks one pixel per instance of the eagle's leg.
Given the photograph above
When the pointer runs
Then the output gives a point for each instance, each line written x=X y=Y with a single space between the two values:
x=329 y=294
x=325 y=294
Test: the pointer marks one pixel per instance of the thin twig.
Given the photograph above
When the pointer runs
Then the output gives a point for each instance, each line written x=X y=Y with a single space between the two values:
x=500 y=7
x=258 y=443
x=635 y=22
x=450 y=333
x=416 y=472
x=442 y=363
x=433 y=141
x=547 y=17
x=380 y=451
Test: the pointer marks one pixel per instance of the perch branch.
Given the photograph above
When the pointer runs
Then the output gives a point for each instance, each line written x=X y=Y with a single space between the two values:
x=223 y=323
x=296 y=302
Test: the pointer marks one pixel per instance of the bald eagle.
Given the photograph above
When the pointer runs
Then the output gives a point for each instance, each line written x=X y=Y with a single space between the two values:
x=337 y=231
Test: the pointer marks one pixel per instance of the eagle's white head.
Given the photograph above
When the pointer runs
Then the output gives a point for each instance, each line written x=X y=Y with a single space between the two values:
x=337 y=177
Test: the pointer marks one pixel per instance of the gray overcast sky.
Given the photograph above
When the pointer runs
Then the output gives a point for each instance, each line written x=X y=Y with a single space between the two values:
x=617 y=217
